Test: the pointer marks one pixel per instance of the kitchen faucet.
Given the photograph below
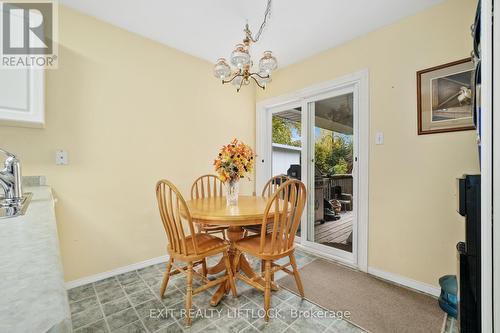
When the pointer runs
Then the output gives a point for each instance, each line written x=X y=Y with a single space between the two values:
x=10 y=178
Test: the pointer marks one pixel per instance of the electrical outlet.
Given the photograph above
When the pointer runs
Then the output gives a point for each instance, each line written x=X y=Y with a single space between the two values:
x=379 y=138
x=61 y=157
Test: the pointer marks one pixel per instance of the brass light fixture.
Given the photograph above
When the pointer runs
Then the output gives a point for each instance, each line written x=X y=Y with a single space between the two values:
x=240 y=73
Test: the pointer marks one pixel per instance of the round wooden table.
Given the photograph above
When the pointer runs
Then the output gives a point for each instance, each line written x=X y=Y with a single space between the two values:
x=214 y=211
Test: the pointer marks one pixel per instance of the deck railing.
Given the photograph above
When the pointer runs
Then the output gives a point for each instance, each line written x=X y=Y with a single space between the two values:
x=344 y=181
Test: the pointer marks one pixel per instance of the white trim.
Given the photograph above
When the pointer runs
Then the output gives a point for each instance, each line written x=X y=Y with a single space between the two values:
x=308 y=177
x=486 y=167
x=364 y=169
x=326 y=255
x=116 y=271
x=496 y=166
x=406 y=282
x=358 y=79
x=311 y=91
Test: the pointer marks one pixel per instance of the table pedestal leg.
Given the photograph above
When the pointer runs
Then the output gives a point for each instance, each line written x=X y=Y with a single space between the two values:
x=234 y=233
x=217 y=268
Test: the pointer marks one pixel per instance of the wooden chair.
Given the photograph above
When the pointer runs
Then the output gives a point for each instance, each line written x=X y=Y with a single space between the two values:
x=208 y=186
x=270 y=187
x=284 y=210
x=185 y=245
x=273 y=185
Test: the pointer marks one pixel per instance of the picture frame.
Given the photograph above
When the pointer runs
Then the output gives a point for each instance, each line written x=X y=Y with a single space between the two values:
x=444 y=98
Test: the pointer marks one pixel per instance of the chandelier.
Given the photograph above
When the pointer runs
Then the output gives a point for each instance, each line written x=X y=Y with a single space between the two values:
x=240 y=73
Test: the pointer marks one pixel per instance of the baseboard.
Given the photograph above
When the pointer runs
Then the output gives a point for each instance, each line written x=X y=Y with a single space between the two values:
x=116 y=271
x=391 y=277
x=406 y=282
x=323 y=255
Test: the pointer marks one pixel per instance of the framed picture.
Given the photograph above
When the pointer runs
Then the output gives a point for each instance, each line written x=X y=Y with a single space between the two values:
x=444 y=98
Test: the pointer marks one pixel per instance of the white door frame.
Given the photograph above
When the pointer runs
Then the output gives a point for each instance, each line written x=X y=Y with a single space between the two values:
x=263 y=168
x=350 y=258
x=490 y=185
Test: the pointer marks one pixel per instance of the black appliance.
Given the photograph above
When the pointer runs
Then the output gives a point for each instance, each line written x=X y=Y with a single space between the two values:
x=320 y=183
x=469 y=253
x=294 y=171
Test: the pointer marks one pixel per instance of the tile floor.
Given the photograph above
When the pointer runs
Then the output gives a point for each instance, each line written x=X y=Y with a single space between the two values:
x=451 y=325
x=129 y=303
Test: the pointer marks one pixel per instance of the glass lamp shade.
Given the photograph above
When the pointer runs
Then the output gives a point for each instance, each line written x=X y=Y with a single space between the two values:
x=265 y=79
x=267 y=63
x=240 y=56
x=237 y=81
x=221 y=69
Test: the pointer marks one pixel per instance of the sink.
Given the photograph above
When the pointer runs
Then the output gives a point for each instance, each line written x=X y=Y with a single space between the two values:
x=13 y=209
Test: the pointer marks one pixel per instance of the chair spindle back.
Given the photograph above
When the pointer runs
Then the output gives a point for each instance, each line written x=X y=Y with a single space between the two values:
x=207 y=186
x=284 y=210
x=273 y=184
x=171 y=203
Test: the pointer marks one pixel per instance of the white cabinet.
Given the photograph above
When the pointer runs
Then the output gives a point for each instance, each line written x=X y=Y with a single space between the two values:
x=22 y=101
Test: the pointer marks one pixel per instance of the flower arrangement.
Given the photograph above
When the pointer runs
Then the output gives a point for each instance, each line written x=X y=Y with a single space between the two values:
x=234 y=161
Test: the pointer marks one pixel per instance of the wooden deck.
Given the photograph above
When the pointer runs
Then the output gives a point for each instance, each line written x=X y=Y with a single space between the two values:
x=335 y=233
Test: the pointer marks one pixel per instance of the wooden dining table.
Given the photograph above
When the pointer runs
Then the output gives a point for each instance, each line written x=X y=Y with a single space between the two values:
x=215 y=211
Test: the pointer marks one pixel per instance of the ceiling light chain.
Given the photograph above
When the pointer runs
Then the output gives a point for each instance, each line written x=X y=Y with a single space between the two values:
x=242 y=62
x=267 y=14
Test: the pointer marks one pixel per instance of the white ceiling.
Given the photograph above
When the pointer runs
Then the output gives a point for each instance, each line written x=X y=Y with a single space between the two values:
x=209 y=29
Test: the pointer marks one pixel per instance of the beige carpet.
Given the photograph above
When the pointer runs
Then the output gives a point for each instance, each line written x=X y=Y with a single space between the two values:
x=375 y=305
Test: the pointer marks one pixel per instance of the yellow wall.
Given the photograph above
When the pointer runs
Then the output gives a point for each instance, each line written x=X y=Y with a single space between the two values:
x=129 y=111
x=413 y=225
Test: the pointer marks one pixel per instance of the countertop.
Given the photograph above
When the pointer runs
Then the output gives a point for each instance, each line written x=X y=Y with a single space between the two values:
x=32 y=293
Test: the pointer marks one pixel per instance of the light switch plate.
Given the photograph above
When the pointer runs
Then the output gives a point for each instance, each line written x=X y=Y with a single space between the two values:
x=61 y=157
x=379 y=138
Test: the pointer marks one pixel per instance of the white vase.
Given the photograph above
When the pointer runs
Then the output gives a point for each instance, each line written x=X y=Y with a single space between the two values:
x=232 y=192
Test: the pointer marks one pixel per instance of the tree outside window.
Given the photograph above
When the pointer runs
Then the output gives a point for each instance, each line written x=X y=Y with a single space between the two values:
x=333 y=151
x=286 y=132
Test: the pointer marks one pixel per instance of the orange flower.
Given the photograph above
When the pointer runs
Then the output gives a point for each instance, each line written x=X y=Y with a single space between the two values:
x=234 y=161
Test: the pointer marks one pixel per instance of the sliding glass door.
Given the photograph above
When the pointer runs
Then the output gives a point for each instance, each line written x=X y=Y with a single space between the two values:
x=331 y=141
x=286 y=142
x=315 y=136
